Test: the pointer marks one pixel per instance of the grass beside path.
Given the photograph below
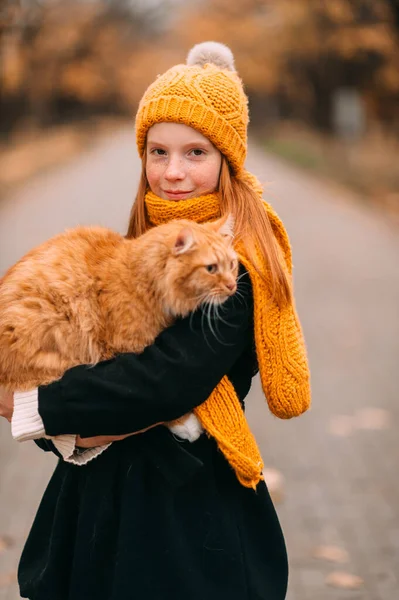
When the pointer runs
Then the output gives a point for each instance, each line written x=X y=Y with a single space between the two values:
x=369 y=166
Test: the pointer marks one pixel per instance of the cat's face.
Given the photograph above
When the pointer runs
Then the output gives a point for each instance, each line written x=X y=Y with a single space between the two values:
x=203 y=266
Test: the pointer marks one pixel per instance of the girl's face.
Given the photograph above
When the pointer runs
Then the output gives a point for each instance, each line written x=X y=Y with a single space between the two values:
x=180 y=162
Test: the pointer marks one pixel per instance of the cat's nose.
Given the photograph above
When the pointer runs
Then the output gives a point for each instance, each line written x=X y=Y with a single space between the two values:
x=231 y=286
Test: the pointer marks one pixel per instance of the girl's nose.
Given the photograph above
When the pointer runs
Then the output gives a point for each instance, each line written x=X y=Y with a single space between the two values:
x=174 y=170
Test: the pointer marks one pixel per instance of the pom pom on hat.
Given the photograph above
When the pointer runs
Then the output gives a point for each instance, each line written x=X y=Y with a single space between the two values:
x=211 y=53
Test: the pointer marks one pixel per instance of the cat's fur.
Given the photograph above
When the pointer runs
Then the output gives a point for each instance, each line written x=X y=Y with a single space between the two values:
x=89 y=293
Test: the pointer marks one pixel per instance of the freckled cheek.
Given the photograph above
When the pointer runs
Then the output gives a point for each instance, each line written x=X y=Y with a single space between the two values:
x=205 y=179
x=154 y=175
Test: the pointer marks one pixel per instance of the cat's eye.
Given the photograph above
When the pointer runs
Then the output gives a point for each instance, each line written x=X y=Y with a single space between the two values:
x=233 y=264
x=211 y=268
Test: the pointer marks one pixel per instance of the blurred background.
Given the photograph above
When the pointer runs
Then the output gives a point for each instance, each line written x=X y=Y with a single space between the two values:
x=322 y=77
x=323 y=84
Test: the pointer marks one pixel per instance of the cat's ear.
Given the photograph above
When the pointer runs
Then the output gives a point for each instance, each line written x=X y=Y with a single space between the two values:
x=184 y=241
x=226 y=225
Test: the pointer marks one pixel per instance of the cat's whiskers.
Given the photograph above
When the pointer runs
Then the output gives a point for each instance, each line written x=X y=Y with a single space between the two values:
x=200 y=299
x=213 y=312
x=218 y=317
x=239 y=294
x=220 y=308
x=207 y=307
x=211 y=307
x=203 y=314
x=241 y=276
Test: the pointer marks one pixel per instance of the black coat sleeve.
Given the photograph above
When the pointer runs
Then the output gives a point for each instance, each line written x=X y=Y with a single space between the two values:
x=134 y=391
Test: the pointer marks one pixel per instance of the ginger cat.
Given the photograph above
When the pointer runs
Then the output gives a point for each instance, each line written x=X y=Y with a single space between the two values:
x=89 y=293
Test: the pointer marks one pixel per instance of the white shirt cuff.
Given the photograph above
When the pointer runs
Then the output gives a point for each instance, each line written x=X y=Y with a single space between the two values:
x=66 y=446
x=26 y=423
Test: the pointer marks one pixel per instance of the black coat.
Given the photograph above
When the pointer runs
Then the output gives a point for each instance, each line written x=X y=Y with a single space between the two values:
x=154 y=517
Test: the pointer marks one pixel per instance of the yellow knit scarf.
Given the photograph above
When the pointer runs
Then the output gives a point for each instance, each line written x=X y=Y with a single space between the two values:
x=279 y=344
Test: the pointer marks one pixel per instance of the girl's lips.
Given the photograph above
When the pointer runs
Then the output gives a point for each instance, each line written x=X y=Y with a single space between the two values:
x=176 y=195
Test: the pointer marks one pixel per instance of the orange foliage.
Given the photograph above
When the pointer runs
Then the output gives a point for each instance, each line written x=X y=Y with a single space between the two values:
x=284 y=46
x=295 y=52
x=82 y=55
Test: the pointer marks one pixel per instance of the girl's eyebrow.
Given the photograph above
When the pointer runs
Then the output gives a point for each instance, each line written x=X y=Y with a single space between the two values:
x=154 y=143
x=198 y=144
x=193 y=144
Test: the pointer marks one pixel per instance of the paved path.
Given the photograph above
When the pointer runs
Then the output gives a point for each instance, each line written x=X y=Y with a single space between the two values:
x=341 y=477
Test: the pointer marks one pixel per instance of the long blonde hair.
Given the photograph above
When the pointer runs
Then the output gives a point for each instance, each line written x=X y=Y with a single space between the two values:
x=251 y=226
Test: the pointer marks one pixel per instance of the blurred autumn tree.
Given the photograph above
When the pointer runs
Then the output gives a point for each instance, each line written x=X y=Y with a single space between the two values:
x=72 y=59
x=295 y=54
x=75 y=58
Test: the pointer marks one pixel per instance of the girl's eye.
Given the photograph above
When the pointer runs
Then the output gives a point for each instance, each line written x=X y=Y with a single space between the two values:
x=158 y=152
x=211 y=268
x=197 y=152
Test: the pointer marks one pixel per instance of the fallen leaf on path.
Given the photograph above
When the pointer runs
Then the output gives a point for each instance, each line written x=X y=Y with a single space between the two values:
x=341 y=579
x=7 y=578
x=341 y=425
x=372 y=418
x=5 y=542
x=275 y=484
x=331 y=553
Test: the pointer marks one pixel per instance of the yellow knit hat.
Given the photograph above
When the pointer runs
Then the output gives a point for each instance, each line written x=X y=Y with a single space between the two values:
x=206 y=94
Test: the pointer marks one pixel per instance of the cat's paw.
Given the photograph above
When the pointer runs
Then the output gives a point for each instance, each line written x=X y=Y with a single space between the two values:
x=190 y=429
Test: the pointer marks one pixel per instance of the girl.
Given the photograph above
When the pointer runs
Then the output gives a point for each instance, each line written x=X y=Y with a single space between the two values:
x=151 y=515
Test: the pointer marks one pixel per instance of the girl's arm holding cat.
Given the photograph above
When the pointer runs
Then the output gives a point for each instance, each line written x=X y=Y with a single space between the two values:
x=66 y=446
x=63 y=446
x=171 y=377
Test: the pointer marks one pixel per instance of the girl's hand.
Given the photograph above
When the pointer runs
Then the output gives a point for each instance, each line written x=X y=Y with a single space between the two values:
x=101 y=440
x=6 y=403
